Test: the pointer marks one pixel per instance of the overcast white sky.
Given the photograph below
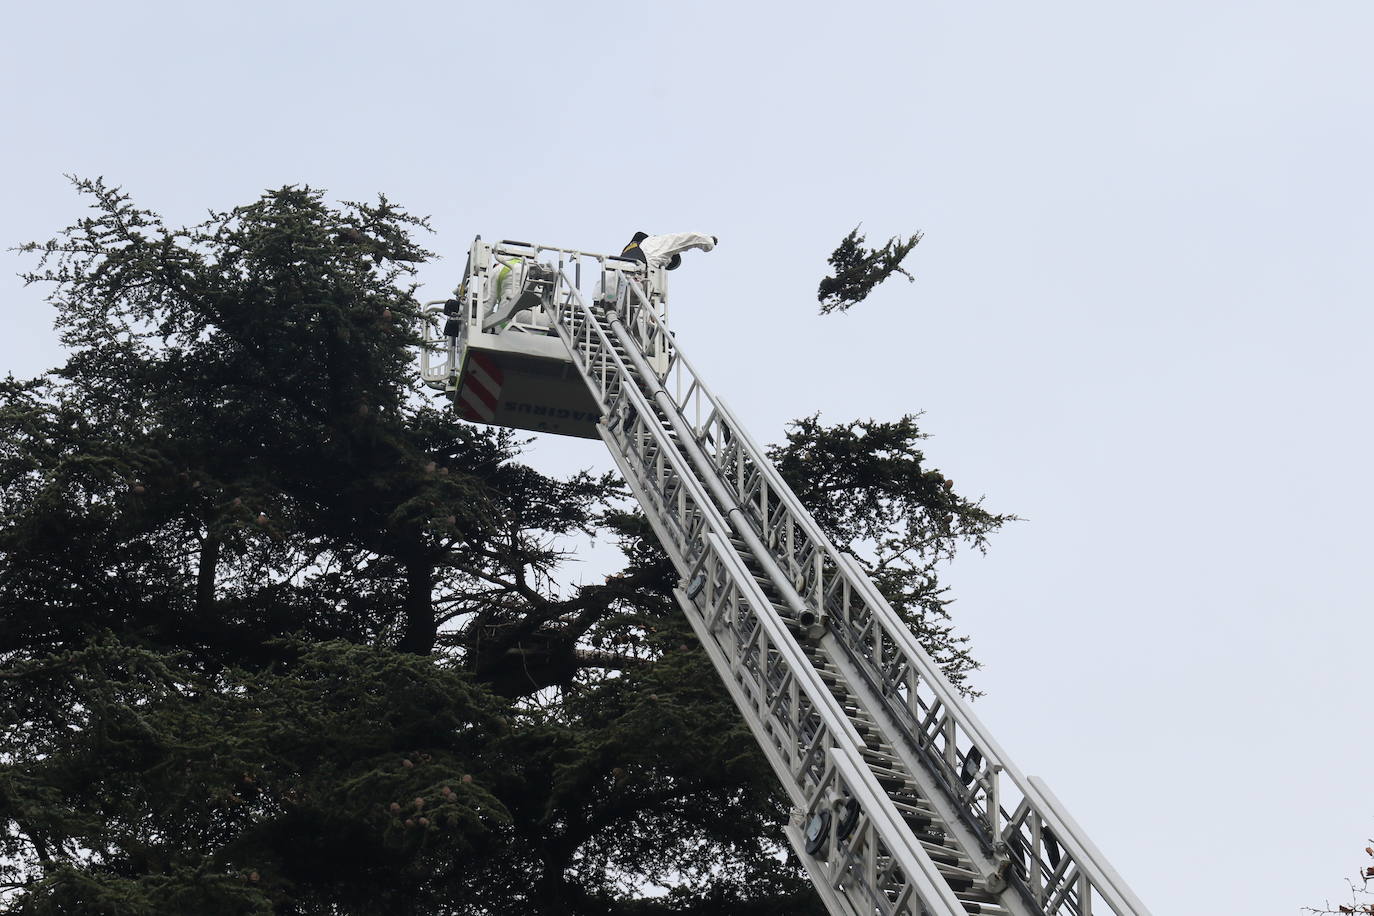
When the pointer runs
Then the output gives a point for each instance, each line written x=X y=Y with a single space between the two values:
x=1142 y=316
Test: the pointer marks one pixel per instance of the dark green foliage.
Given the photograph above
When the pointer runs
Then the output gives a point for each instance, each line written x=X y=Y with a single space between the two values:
x=867 y=486
x=250 y=791
x=856 y=270
x=278 y=637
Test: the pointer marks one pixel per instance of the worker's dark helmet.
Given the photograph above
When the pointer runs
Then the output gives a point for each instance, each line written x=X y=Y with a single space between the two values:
x=673 y=264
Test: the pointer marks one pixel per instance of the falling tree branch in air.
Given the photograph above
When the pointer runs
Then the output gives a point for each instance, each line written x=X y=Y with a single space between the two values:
x=856 y=270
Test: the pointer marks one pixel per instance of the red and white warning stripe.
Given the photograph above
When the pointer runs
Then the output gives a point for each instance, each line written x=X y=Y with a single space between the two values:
x=481 y=389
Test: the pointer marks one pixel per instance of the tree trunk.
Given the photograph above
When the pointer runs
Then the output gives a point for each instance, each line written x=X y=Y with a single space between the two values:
x=551 y=890
x=205 y=574
x=421 y=629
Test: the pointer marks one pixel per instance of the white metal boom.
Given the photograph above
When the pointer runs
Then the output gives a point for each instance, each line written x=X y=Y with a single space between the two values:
x=903 y=802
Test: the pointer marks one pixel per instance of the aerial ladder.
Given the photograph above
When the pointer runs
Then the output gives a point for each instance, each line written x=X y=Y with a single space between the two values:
x=902 y=802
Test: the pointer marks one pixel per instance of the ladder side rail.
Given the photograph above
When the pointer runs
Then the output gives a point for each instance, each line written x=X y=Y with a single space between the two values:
x=873 y=631
x=955 y=745
x=687 y=442
x=741 y=640
x=747 y=505
x=778 y=638
x=591 y=351
x=740 y=464
x=1051 y=840
x=860 y=863
x=1082 y=849
x=775 y=686
x=851 y=772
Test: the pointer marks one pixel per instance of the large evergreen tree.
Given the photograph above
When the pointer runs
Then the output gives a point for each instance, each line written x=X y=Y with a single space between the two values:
x=278 y=637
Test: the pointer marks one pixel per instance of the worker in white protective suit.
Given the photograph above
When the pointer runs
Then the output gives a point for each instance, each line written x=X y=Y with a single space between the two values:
x=666 y=250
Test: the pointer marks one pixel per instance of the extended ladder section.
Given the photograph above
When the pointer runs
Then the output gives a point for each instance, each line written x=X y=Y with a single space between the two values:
x=903 y=803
